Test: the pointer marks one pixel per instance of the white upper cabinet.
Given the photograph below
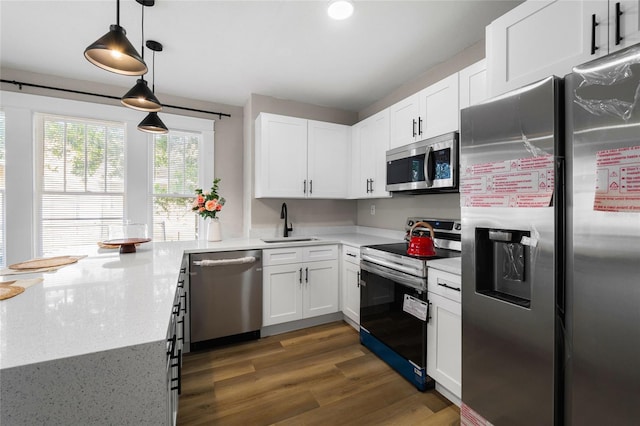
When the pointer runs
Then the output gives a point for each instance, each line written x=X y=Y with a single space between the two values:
x=542 y=38
x=369 y=145
x=473 y=84
x=281 y=156
x=624 y=26
x=431 y=112
x=299 y=158
x=327 y=160
x=404 y=120
x=439 y=108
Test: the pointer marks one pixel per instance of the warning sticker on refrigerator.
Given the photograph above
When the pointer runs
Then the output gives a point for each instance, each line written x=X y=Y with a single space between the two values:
x=524 y=182
x=618 y=180
x=468 y=417
x=415 y=307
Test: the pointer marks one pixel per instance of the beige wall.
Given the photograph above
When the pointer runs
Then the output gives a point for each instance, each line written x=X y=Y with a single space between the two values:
x=392 y=212
x=228 y=152
x=265 y=212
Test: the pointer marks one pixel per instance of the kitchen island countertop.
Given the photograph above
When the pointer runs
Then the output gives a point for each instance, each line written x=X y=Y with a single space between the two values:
x=109 y=300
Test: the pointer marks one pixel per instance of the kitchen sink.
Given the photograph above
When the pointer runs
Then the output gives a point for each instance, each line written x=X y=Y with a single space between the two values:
x=288 y=239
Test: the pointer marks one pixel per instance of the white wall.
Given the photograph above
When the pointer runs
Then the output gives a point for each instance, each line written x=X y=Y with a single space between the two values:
x=21 y=159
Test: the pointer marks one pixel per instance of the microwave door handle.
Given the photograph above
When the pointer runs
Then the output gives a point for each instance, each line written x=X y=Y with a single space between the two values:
x=429 y=167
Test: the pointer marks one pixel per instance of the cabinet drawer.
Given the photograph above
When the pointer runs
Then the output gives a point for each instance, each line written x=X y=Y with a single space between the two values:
x=351 y=254
x=316 y=253
x=281 y=256
x=445 y=284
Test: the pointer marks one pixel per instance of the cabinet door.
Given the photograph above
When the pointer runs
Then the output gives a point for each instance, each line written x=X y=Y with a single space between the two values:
x=624 y=24
x=327 y=160
x=439 y=108
x=351 y=291
x=473 y=84
x=378 y=135
x=282 y=293
x=444 y=343
x=403 y=120
x=320 y=295
x=542 y=38
x=281 y=156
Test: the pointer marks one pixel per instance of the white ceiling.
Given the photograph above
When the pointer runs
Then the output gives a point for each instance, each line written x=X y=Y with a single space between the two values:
x=222 y=51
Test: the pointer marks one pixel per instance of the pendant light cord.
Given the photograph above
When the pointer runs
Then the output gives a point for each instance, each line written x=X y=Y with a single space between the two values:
x=142 y=32
x=118 y=12
x=153 y=74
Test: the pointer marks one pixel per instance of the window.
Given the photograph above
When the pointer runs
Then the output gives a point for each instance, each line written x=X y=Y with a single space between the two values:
x=175 y=178
x=82 y=180
x=2 y=188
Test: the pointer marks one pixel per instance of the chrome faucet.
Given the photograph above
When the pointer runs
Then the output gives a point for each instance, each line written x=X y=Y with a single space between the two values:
x=283 y=215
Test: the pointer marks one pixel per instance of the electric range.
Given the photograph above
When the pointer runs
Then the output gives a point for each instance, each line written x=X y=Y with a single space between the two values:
x=394 y=307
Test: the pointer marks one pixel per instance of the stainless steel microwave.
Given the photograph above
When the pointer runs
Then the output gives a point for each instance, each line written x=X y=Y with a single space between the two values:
x=431 y=164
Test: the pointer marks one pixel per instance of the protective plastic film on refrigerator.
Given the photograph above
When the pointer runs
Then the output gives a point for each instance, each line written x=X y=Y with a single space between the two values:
x=603 y=241
x=511 y=156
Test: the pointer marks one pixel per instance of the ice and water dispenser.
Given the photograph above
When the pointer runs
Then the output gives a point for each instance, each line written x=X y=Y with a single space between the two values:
x=503 y=259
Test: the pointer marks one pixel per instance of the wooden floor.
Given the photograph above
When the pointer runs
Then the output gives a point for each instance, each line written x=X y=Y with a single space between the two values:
x=316 y=376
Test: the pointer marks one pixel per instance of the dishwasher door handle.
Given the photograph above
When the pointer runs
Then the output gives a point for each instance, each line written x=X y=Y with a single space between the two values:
x=225 y=262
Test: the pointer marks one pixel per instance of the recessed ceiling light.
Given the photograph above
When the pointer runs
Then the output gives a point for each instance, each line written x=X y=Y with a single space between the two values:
x=340 y=9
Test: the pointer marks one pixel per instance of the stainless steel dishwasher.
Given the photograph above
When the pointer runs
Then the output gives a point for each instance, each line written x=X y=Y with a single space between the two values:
x=226 y=297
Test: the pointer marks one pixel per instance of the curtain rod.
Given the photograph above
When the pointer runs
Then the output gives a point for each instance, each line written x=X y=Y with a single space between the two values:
x=21 y=83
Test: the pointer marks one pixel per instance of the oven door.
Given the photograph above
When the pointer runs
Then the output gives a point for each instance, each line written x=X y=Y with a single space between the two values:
x=394 y=310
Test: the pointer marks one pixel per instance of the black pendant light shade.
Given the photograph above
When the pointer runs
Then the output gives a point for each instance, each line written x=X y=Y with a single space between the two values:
x=140 y=97
x=153 y=124
x=113 y=52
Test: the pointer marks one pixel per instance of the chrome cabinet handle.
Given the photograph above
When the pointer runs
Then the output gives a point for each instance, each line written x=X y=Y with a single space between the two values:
x=304 y=186
x=300 y=275
x=420 y=125
x=414 y=127
x=311 y=186
x=306 y=275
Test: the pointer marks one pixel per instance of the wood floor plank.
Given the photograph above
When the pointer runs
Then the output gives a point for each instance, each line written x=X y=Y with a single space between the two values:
x=316 y=376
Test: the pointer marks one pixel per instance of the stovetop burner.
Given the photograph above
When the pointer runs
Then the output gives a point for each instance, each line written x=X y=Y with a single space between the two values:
x=394 y=256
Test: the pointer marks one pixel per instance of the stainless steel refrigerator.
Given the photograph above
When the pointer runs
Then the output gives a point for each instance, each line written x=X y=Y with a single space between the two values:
x=603 y=241
x=511 y=202
x=551 y=276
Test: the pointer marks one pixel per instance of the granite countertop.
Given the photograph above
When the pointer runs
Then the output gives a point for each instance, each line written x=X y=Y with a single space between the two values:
x=109 y=300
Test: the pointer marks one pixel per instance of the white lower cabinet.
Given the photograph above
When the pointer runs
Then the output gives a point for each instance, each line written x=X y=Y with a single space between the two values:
x=299 y=282
x=351 y=283
x=444 y=331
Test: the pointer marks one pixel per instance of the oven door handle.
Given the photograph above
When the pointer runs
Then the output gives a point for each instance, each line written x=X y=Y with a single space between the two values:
x=375 y=261
x=396 y=276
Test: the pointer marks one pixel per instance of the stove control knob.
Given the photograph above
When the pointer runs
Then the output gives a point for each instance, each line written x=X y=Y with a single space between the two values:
x=410 y=223
x=458 y=226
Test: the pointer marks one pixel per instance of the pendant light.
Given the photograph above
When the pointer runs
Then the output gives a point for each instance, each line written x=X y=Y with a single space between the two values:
x=152 y=123
x=340 y=9
x=113 y=51
x=140 y=97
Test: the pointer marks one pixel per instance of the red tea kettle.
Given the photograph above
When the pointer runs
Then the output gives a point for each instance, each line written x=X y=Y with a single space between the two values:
x=421 y=245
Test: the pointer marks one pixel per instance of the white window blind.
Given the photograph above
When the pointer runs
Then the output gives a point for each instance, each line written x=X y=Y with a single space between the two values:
x=2 y=191
x=175 y=178
x=82 y=168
